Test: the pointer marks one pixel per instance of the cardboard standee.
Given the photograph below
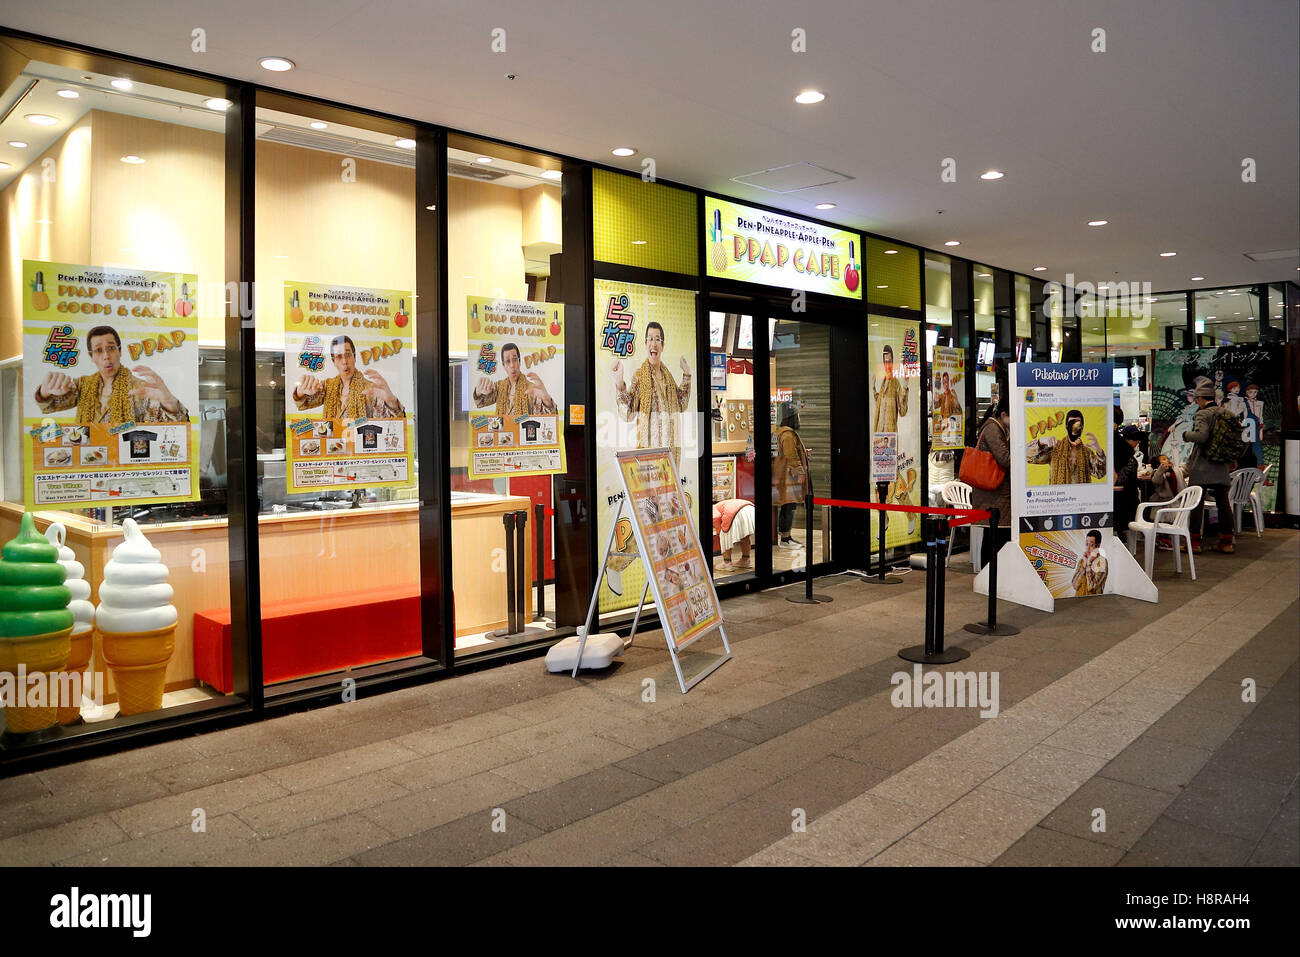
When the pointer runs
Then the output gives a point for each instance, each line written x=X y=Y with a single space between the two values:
x=1017 y=580
x=1127 y=576
x=654 y=499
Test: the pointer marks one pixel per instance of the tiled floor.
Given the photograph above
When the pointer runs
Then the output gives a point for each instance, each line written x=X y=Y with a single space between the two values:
x=1127 y=733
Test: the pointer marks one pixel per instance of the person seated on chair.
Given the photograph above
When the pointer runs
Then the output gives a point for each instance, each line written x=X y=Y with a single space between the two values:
x=1166 y=482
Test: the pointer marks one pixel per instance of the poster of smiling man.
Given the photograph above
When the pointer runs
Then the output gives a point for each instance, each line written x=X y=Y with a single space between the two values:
x=110 y=394
x=516 y=354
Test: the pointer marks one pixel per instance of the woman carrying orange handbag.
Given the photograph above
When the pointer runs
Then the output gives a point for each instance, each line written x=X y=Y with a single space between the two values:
x=994 y=436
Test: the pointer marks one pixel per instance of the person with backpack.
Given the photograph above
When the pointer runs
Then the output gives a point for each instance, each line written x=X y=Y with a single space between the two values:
x=1215 y=436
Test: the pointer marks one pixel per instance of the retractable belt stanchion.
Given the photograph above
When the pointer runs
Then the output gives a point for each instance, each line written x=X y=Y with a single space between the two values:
x=990 y=625
x=882 y=490
x=933 y=652
x=514 y=523
x=539 y=535
x=808 y=598
x=521 y=569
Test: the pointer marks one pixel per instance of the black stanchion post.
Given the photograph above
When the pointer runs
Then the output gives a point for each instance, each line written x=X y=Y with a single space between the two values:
x=508 y=520
x=990 y=625
x=935 y=534
x=808 y=597
x=882 y=491
x=539 y=536
x=521 y=569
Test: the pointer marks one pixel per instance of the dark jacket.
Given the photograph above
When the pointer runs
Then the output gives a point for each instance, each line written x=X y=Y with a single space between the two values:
x=1200 y=470
x=1126 y=481
x=993 y=439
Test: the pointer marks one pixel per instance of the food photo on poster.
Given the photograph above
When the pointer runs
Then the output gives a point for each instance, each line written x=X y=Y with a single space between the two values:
x=350 y=398
x=111 y=357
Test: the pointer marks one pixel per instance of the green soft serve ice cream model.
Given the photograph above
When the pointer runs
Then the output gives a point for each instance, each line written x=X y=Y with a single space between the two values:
x=83 y=626
x=35 y=625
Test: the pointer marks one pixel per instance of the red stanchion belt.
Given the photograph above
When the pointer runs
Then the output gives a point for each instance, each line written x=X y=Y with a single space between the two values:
x=965 y=515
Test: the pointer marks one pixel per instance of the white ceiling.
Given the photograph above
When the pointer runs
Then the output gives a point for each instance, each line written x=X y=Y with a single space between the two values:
x=1149 y=135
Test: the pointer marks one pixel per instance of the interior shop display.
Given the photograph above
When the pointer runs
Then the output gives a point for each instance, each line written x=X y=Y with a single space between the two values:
x=776 y=249
x=1247 y=382
x=136 y=621
x=645 y=383
x=110 y=402
x=516 y=352
x=83 y=626
x=897 y=406
x=348 y=354
x=35 y=626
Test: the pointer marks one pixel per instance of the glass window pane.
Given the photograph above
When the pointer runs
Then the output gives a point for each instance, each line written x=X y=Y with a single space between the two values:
x=731 y=389
x=1226 y=317
x=801 y=418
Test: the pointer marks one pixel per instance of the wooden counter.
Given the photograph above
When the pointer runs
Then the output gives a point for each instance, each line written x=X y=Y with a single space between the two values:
x=310 y=554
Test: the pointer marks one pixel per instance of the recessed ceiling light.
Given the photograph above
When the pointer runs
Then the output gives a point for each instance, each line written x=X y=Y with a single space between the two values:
x=552 y=174
x=810 y=96
x=638 y=242
x=431 y=206
x=405 y=143
x=69 y=94
x=1236 y=313
x=1040 y=268
x=121 y=83
x=3 y=165
x=485 y=160
x=1167 y=255
x=218 y=103
x=132 y=159
x=1197 y=278
x=276 y=64
x=992 y=174
x=1098 y=222
x=985 y=275
x=318 y=125
x=891 y=252
x=952 y=242
x=882 y=287
x=1211 y=317
x=974 y=300
x=1152 y=299
x=466 y=277
x=18 y=144
x=623 y=151
x=825 y=205
x=41 y=119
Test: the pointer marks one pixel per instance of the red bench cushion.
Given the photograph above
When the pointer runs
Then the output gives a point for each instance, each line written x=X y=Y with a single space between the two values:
x=310 y=636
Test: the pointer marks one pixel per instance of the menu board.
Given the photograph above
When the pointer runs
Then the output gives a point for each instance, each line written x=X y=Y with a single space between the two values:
x=724 y=478
x=349 y=414
x=111 y=385
x=516 y=352
x=665 y=530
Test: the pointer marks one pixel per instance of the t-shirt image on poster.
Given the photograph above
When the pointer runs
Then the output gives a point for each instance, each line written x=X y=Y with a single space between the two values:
x=139 y=440
x=370 y=436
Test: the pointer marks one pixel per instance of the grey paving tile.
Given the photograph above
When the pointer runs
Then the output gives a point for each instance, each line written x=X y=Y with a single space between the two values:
x=305 y=808
x=1217 y=694
x=433 y=807
x=224 y=767
x=1195 y=727
x=318 y=772
x=174 y=810
x=468 y=759
x=1043 y=847
x=175 y=847
x=114 y=791
x=1156 y=763
x=455 y=844
x=1171 y=843
x=821 y=786
x=760 y=724
x=1128 y=810
x=899 y=744
x=724 y=838
x=50 y=844
x=1280 y=845
x=580 y=797
x=683 y=755
x=1229 y=803
x=22 y=788
x=313 y=846
x=610 y=834
x=1255 y=752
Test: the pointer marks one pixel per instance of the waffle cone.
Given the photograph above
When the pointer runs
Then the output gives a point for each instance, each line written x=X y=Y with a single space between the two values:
x=78 y=659
x=138 y=661
x=44 y=654
x=720 y=257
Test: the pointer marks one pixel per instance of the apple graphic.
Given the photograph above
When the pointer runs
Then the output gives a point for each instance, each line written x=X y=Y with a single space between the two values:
x=555 y=328
x=851 y=279
x=401 y=319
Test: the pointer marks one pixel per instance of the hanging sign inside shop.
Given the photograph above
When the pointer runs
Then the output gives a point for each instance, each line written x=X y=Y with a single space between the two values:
x=111 y=386
x=947 y=415
x=775 y=249
x=724 y=478
x=349 y=387
x=516 y=355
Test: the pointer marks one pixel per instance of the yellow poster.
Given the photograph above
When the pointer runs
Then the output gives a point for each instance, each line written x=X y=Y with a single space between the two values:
x=111 y=386
x=349 y=404
x=1065 y=445
x=517 y=355
x=645 y=398
x=776 y=249
x=666 y=522
x=896 y=408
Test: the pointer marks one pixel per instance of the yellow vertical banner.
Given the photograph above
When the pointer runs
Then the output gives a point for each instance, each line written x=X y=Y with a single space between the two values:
x=896 y=407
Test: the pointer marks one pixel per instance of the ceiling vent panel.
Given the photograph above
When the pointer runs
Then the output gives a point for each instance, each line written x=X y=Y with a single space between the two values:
x=790 y=178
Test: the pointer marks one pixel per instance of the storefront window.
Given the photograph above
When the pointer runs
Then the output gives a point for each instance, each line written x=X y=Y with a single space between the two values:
x=338 y=522
x=1226 y=317
x=731 y=390
x=801 y=422
x=112 y=414
x=507 y=337
x=938 y=332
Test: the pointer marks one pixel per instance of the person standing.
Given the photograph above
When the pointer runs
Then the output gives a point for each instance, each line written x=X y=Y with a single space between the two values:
x=1211 y=476
x=791 y=483
x=1126 y=495
x=994 y=437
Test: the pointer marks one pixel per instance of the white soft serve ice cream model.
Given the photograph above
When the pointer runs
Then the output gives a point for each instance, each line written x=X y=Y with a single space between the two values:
x=137 y=620
x=83 y=614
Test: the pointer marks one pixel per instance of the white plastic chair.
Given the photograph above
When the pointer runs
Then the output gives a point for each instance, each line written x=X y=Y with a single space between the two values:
x=1172 y=518
x=1241 y=492
x=957 y=495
